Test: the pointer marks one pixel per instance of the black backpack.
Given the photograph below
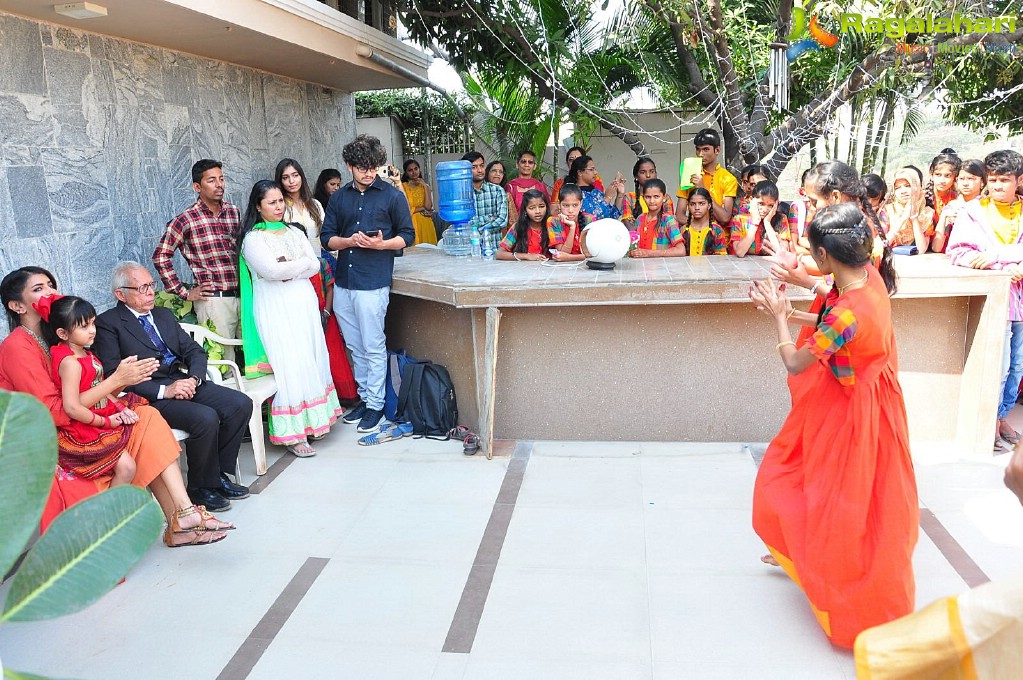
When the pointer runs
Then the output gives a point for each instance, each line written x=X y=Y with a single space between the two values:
x=427 y=400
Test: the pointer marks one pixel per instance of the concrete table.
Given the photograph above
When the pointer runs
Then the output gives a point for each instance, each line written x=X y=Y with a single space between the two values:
x=671 y=349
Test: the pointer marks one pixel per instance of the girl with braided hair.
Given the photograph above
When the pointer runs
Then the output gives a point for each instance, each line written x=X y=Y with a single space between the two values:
x=835 y=499
x=941 y=187
x=634 y=207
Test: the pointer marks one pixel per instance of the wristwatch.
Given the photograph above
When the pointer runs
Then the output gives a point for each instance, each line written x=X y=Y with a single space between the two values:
x=197 y=379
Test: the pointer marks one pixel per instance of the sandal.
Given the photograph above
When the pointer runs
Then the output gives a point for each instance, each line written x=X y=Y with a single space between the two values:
x=291 y=448
x=390 y=433
x=1012 y=436
x=208 y=523
x=195 y=537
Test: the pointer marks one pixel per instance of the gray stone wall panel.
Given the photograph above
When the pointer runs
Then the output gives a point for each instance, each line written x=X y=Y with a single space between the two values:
x=21 y=56
x=98 y=136
x=30 y=204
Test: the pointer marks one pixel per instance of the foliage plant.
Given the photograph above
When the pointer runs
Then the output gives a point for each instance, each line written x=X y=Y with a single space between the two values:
x=86 y=550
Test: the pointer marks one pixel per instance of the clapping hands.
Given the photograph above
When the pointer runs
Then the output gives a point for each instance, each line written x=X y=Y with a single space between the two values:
x=770 y=298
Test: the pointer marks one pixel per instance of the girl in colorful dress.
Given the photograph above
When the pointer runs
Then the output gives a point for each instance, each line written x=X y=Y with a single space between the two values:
x=762 y=231
x=910 y=221
x=583 y=174
x=528 y=241
x=970 y=183
x=564 y=230
x=420 y=202
x=95 y=443
x=633 y=205
x=300 y=206
x=941 y=188
x=282 y=330
x=835 y=499
x=702 y=235
x=659 y=235
x=800 y=215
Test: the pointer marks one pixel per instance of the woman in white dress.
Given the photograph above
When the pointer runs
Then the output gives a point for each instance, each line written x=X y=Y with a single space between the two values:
x=281 y=328
x=299 y=205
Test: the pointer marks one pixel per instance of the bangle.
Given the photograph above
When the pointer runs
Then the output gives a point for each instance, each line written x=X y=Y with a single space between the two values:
x=791 y=312
x=516 y=256
x=782 y=344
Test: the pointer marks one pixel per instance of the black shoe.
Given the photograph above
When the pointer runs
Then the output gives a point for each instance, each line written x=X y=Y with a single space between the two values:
x=213 y=501
x=354 y=414
x=371 y=420
x=230 y=490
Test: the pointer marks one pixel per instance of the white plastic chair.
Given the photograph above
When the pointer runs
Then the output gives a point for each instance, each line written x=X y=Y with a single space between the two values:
x=257 y=389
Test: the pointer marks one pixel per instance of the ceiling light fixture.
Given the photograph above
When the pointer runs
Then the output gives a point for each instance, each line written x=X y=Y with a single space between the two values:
x=80 y=10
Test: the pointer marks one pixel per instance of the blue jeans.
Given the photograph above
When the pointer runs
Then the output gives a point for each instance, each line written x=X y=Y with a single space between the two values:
x=1012 y=367
x=360 y=316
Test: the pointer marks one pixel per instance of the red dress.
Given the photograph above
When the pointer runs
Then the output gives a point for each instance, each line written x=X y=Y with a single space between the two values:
x=835 y=498
x=91 y=450
x=340 y=368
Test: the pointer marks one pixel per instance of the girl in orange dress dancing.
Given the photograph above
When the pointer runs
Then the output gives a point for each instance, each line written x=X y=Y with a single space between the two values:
x=835 y=498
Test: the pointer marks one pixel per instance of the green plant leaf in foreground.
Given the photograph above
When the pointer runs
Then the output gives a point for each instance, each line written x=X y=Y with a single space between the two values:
x=84 y=553
x=28 y=457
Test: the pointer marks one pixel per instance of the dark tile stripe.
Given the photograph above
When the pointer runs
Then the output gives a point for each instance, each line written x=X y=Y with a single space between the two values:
x=466 y=621
x=272 y=473
x=960 y=560
x=248 y=655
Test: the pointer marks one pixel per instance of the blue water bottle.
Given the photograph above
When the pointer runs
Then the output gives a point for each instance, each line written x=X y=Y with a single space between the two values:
x=456 y=204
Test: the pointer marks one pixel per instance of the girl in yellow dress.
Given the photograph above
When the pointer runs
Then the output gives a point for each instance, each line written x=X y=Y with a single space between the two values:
x=420 y=202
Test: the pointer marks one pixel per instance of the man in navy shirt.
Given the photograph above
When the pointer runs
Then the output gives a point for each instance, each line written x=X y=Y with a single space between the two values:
x=367 y=221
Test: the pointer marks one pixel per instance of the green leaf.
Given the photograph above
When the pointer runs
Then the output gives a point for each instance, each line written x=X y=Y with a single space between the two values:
x=83 y=554
x=28 y=457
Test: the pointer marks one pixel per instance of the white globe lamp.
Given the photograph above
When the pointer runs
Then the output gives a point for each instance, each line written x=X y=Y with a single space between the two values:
x=604 y=242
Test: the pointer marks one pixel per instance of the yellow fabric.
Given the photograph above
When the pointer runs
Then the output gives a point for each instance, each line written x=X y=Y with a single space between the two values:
x=425 y=231
x=1003 y=218
x=977 y=635
x=720 y=184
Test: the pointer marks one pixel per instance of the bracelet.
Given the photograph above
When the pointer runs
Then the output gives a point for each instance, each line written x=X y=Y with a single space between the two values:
x=782 y=344
x=791 y=312
x=516 y=256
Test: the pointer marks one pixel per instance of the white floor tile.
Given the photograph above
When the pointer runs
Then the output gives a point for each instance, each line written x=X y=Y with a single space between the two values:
x=314 y=659
x=395 y=606
x=574 y=482
x=546 y=614
x=582 y=537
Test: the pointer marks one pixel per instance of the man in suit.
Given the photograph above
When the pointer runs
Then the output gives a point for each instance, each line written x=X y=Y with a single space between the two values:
x=215 y=417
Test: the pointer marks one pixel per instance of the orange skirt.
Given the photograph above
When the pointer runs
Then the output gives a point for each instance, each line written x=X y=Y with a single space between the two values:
x=153 y=447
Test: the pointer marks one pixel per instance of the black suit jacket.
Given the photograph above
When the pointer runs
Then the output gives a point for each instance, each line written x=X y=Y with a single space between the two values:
x=119 y=334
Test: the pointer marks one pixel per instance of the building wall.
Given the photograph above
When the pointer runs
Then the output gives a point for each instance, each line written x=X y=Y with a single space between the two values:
x=98 y=135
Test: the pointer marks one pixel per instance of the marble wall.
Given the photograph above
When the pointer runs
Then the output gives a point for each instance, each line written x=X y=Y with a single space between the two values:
x=98 y=136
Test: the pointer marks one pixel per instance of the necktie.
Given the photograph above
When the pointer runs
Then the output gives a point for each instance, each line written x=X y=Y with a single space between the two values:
x=168 y=355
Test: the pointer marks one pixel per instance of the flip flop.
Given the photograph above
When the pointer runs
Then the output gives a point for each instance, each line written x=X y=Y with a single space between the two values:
x=301 y=454
x=390 y=433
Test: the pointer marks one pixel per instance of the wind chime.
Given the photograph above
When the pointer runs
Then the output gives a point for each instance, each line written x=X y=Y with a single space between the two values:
x=778 y=76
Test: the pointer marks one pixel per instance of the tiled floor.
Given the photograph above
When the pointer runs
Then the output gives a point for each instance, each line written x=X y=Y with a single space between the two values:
x=621 y=560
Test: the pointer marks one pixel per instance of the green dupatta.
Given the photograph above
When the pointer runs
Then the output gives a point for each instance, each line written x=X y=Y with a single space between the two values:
x=256 y=363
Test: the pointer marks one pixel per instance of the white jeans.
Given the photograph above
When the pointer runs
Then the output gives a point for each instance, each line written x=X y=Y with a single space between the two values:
x=360 y=316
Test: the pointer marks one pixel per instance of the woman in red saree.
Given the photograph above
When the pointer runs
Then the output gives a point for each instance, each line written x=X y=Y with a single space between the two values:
x=25 y=367
x=835 y=498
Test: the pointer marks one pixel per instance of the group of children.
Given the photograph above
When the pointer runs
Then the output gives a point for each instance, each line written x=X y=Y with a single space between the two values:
x=722 y=215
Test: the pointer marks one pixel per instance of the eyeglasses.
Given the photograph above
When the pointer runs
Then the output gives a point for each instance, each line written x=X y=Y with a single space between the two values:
x=145 y=288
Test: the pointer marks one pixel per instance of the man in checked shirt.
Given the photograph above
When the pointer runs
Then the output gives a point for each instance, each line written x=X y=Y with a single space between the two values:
x=207 y=235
